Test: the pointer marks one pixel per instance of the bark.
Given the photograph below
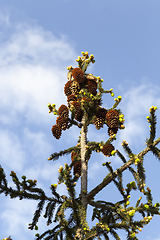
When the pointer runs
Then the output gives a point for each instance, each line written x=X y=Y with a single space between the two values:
x=83 y=164
x=79 y=231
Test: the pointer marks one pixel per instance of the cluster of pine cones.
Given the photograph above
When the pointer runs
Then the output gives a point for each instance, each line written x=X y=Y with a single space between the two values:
x=111 y=117
x=61 y=122
x=72 y=89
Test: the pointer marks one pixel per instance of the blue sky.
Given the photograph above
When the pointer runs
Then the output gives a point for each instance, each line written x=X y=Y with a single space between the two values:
x=38 y=40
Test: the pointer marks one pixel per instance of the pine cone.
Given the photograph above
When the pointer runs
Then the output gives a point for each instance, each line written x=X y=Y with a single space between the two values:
x=62 y=122
x=71 y=99
x=74 y=155
x=98 y=123
x=112 y=117
x=100 y=118
x=78 y=117
x=112 y=131
x=56 y=131
x=101 y=113
x=63 y=111
x=107 y=149
x=92 y=86
x=75 y=88
x=78 y=112
x=67 y=88
x=78 y=75
x=77 y=168
x=77 y=165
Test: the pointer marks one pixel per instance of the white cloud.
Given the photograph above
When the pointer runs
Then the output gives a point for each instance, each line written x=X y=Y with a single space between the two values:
x=16 y=216
x=36 y=142
x=135 y=106
x=33 y=46
x=11 y=153
x=32 y=73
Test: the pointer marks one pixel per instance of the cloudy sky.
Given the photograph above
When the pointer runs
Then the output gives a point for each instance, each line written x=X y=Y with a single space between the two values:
x=38 y=40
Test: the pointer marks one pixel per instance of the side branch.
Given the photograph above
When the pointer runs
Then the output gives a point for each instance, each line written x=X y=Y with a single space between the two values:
x=55 y=156
x=72 y=121
x=113 y=175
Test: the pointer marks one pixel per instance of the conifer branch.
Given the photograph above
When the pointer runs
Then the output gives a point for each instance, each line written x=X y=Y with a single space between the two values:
x=73 y=122
x=120 y=155
x=117 y=101
x=110 y=176
x=55 y=156
x=152 y=121
x=155 y=151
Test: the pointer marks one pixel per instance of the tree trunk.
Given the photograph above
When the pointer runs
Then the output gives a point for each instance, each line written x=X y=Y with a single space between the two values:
x=83 y=164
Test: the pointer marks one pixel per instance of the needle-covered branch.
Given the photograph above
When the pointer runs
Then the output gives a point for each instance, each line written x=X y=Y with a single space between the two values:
x=112 y=176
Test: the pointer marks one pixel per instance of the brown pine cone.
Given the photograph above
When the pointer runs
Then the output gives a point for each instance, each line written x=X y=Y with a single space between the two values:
x=107 y=149
x=78 y=112
x=92 y=86
x=75 y=88
x=77 y=165
x=56 y=131
x=101 y=113
x=71 y=99
x=112 y=118
x=63 y=111
x=100 y=118
x=67 y=88
x=78 y=75
x=62 y=122
x=112 y=131
x=74 y=155
x=98 y=122
x=77 y=168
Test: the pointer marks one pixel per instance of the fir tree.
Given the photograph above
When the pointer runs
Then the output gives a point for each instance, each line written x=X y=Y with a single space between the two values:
x=84 y=97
